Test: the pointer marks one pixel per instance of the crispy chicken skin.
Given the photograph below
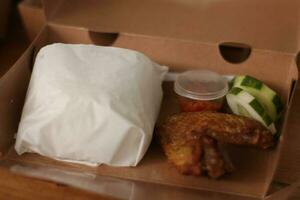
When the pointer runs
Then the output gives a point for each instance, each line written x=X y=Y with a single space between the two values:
x=190 y=140
x=213 y=161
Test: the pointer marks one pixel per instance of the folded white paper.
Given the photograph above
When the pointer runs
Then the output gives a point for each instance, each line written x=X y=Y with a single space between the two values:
x=90 y=104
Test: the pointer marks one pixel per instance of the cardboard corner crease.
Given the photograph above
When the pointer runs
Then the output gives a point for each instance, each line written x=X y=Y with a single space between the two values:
x=183 y=35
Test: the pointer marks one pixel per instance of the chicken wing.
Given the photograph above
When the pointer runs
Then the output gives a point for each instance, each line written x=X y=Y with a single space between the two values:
x=188 y=140
x=213 y=161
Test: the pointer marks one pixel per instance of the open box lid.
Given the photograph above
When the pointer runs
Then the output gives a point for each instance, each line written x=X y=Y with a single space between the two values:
x=273 y=27
x=269 y=24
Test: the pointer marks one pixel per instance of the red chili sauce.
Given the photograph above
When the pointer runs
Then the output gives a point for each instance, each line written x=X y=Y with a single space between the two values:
x=191 y=105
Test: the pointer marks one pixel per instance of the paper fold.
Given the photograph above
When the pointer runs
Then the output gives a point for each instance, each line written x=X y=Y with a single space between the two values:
x=91 y=104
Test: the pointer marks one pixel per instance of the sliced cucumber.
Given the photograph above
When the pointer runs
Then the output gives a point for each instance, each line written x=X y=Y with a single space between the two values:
x=266 y=96
x=243 y=103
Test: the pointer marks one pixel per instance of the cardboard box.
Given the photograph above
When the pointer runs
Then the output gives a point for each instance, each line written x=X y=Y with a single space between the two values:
x=4 y=12
x=32 y=16
x=224 y=36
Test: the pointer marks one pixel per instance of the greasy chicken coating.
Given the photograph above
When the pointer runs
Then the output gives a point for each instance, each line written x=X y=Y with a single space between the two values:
x=181 y=137
x=213 y=161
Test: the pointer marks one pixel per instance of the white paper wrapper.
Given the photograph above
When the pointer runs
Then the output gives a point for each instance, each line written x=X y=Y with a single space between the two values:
x=92 y=105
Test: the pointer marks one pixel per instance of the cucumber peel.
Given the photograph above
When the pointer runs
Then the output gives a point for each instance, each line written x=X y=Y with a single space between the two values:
x=265 y=95
x=243 y=103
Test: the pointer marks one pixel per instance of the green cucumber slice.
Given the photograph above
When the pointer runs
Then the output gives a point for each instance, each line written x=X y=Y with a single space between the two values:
x=243 y=103
x=265 y=95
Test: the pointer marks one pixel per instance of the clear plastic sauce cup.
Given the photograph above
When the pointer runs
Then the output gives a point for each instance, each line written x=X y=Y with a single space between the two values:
x=200 y=90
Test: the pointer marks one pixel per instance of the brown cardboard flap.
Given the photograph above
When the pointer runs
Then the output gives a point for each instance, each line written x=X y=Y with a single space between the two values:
x=103 y=185
x=284 y=193
x=268 y=24
x=28 y=10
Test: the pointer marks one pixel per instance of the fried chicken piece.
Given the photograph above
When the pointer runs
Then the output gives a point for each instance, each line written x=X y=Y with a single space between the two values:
x=184 y=138
x=213 y=162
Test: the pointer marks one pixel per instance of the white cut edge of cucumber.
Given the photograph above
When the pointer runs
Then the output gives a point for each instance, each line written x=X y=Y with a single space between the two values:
x=244 y=98
x=265 y=96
